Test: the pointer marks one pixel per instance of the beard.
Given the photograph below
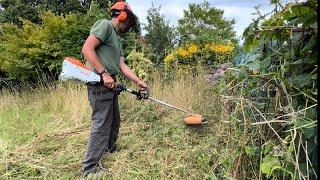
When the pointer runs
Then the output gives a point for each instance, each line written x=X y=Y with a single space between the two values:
x=126 y=26
x=124 y=29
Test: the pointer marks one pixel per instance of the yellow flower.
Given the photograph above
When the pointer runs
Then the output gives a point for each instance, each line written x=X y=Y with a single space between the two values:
x=220 y=48
x=182 y=52
x=193 y=48
x=207 y=46
x=169 y=58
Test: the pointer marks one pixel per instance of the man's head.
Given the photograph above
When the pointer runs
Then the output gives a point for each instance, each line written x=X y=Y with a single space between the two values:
x=123 y=12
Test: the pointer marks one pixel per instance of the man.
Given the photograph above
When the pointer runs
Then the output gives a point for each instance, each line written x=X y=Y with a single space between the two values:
x=104 y=54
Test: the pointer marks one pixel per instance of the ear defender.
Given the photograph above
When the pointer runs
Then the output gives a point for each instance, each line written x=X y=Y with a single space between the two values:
x=122 y=16
x=123 y=10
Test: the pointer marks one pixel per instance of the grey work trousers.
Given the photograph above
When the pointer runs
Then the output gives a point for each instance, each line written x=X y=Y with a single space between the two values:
x=105 y=126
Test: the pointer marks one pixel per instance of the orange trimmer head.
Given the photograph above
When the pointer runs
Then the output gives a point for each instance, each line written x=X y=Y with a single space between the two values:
x=194 y=119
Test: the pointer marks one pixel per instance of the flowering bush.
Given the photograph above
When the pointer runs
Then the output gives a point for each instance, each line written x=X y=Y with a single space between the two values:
x=219 y=48
x=190 y=55
x=219 y=52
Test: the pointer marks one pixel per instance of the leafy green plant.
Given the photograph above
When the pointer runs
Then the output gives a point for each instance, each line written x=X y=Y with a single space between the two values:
x=35 y=49
x=159 y=34
x=139 y=64
x=275 y=89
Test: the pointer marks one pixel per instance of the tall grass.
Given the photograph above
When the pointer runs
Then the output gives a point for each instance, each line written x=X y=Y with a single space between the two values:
x=44 y=133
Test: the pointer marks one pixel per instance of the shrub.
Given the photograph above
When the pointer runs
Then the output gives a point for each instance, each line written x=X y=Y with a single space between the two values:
x=139 y=64
x=38 y=48
x=191 y=55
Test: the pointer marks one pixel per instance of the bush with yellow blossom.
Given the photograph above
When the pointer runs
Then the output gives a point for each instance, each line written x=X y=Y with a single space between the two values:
x=219 y=48
x=192 y=54
x=219 y=52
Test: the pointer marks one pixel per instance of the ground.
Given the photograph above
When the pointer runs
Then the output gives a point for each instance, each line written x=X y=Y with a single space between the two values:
x=44 y=134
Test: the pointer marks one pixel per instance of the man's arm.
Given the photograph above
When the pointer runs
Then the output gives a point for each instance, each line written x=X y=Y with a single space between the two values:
x=126 y=71
x=89 y=51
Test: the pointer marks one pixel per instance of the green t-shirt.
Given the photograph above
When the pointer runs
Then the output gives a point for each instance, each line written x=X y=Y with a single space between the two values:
x=110 y=49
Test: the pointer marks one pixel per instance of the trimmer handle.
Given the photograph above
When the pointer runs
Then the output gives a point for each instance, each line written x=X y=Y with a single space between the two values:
x=140 y=94
x=120 y=88
x=144 y=94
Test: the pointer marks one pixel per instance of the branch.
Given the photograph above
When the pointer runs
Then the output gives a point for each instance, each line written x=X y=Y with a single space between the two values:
x=291 y=28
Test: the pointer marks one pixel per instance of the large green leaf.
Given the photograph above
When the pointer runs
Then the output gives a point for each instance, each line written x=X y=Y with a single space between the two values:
x=265 y=63
x=253 y=65
x=268 y=163
x=300 y=80
x=252 y=151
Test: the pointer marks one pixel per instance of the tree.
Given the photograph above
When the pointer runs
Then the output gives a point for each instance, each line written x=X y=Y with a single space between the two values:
x=59 y=7
x=159 y=34
x=204 y=24
x=12 y=10
x=34 y=48
x=31 y=48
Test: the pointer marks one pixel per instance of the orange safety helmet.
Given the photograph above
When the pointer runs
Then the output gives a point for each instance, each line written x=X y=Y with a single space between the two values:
x=123 y=9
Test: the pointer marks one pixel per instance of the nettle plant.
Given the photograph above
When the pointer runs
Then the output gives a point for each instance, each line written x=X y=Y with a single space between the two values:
x=275 y=80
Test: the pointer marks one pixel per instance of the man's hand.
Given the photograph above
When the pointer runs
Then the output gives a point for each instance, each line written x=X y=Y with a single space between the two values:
x=108 y=81
x=143 y=86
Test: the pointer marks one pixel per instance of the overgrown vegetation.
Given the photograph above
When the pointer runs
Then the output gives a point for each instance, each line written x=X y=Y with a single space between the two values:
x=34 y=49
x=272 y=94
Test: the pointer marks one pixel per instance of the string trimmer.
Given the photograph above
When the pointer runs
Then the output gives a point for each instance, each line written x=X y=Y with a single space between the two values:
x=73 y=69
x=190 y=118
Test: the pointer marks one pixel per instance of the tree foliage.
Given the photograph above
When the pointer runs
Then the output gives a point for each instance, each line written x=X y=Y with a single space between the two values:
x=204 y=24
x=32 y=49
x=12 y=10
x=159 y=34
x=30 y=10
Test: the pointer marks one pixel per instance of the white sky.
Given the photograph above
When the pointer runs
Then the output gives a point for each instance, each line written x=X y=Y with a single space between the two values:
x=240 y=10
